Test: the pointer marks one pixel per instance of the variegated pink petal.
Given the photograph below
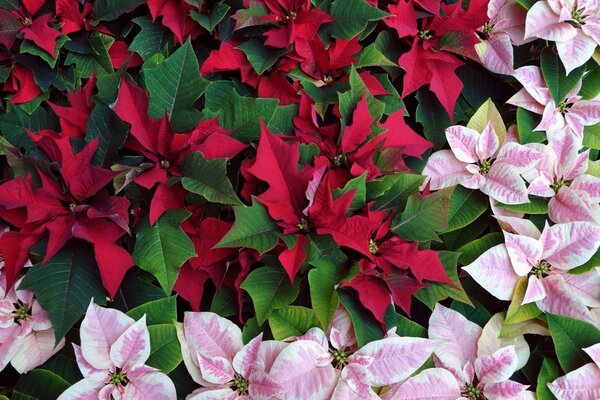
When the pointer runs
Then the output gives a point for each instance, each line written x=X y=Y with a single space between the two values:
x=87 y=370
x=133 y=346
x=216 y=370
x=262 y=387
x=85 y=389
x=190 y=358
x=589 y=184
x=506 y=390
x=488 y=143
x=576 y=51
x=343 y=391
x=592 y=25
x=594 y=353
x=494 y=272
x=154 y=385
x=535 y=290
x=212 y=394
x=35 y=349
x=444 y=170
x=496 y=367
x=456 y=338
x=552 y=119
x=245 y=360
x=504 y=184
x=520 y=226
x=581 y=384
x=100 y=328
x=298 y=370
x=526 y=101
x=496 y=54
x=211 y=335
x=543 y=23
x=268 y=352
x=490 y=340
x=10 y=343
x=520 y=157
x=39 y=319
x=585 y=286
x=524 y=252
x=570 y=205
x=394 y=358
x=430 y=384
x=356 y=376
x=315 y=334
x=576 y=242
x=136 y=371
x=341 y=331
x=561 y=300
x=533 y=82
x=463 y=141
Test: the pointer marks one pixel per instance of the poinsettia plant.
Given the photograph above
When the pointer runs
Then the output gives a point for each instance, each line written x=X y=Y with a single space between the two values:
x=294 y=199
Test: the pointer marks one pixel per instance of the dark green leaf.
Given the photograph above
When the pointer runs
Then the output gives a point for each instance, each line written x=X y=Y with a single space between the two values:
x=39 y=384
x=322 y=283
x=526 y=123
x=366 y=327
x=433 y=117
x=212 y=18
x=548 y=373
x=570 y=336
x=165 y=350
x=261 y=57
x=111 y=132
x=351 y=17
x=291 y=321
x=404 y=326
x=107 y=10
x=161 y=311
x=471 y=251
x=208 y=178
x=466 y=206
x=27 y=46
x=224 y=303
x=536 y=205
x=153 y=38
x=559 y=83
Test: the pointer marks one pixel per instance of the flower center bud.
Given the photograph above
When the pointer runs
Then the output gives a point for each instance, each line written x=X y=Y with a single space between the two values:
x=577 y=16
x=118 y=378
x=541 y=270
x=564 y=106
x=487 y=28
x=291 y=16
x=340 y=160
x=339 y=358
x=303 y=225
x=327 y=79
x=473 y=392
x=164 y=164
x=240 y=385
x=484 y=167
x=425 y=35
x=373 y=248
x=22 y=311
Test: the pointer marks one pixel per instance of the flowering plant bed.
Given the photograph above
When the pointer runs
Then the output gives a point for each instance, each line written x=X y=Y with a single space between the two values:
x=294 y=199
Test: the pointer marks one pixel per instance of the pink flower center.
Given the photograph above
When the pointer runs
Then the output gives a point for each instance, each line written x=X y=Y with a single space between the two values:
x=340 y=160
x=484 y=166
x=240 y=385
x=339 y=358
x=425 y=34
x=578 y=17
x=22 y=311
x=118 y=378
x=373 y=248
x=473 y=392
x=303 y=225
x=542 y=269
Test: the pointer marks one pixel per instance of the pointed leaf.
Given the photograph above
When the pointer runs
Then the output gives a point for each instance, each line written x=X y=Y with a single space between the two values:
x=291 y=321
x=351 y=17
x=465 y=207
x=488 y=112
x=39 y=384
x=570 y=336
x=208 y=178
x=559 y=83
x=322 y=283
x=107 y=10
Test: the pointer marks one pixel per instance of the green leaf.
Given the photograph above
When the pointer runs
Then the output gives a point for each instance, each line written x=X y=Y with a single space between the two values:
x=518 y=312
x=174 y=85
x=107 y=10
x=98 y=62
x=536 y=206
x=590 y=86
x=211 y=19
x=351 y=17
x=366 y=327
x=488 y=112
x=526 y=123
x=162 y=248
x=476 y=313
x=437 y=292
x=570 y=335
x=548 y=373
x=323 y=247
x=270 y=289
x=291 y=321
x=136 y=290
x=349 y=99
x=358 y=185
x=27 y=46
x=283 y=120
x=238 y=113
x=404 y=326
x=393 y=191
x=165 y=350
x=591 y=136
x=65 y=284
x=224 y=303
x=111 y=132
x=371 y=56
x=261 y=57
x=466 y=206
x=253 y=228
x=14 y=121
x=250 y=330
x=64 y=365
x=559 y=83
x=153 y=38
x=471 y=251
x=527 y=4
x=39 y=384
x=423 y=216
x=433 y=117
x=208 y=178
x=322 y=281
x=161 y=311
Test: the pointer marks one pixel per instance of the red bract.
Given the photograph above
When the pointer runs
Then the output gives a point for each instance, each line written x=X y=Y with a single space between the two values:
x=73 y=119
x=74 y=206
x=21 y=82
x=175 y=16
x=326 y=65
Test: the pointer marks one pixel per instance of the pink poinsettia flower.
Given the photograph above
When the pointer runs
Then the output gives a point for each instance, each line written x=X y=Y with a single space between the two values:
x=112 y=356
x=216 y=358
x=471 y=363
x=505 y=28
x=572 y=112
x=26 y=335
x=573 y=24
x=582 y=383
x=561 y=175
x=545 y=260
x=477 y=161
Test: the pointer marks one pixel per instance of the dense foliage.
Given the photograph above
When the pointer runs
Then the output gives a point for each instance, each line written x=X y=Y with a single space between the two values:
x=294 y=199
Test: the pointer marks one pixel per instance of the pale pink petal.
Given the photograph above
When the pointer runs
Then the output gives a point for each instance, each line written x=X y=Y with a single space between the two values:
x=592 y=26
x=211 y=335
x=490 y=340
x=552 y=119
x=133 y=346
x=526 y=101
x=576 y=51
x=496 y=54
x=540 y=186
x=136 y=371
x=494 y=272
x=488 y=143
x=10 y=343
x=581 y=384
x=533 y=82
x=245 y=360
x=588 y=183
x=535 y=290
x=87 y=370
x=543 y=23
x=520 y=157
x=263 y=387
x=524 y=252
x=268 y=353
x=100 y=328
x=456 y=338
x=35 y=349
x=506 y=390
x=154 y=385
x=576 y=242
x=86 y=389
x=519 y=225
x=216 y=370
x=213 y=394
x=504 y=184
x=190 y=358
x=444 y=170
x=341 y=331
x=394 y=358
x=357 y=376
x=463 y=141
x=498 y=211
x=39 y=319
x=430 y=384
x=315 y=334
x=594 y=353
x=561 y=300
x=585 y=286
x=343 y=391
x=570 y=205
x=300 y=371
x=496 y=367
